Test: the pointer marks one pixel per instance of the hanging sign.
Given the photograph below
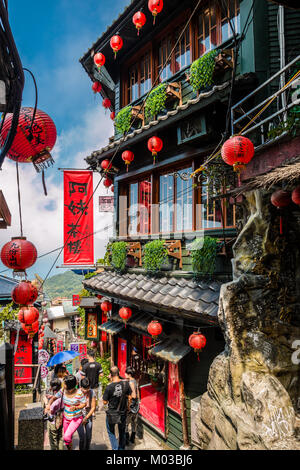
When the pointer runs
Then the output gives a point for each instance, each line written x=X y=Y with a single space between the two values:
x=75 y=300
x=106 y=203
x=173 y=388
x=103 y=333
x=78 y=218
x=92 y=327
x=59 y=345
x=43 y=356
x=23 y=375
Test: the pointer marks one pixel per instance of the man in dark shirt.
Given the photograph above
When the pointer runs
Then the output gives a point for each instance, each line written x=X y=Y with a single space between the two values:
x=92 y=371
x=116 y=396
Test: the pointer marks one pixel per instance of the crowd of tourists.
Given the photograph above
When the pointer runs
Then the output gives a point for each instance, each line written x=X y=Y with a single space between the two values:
x=72 y=402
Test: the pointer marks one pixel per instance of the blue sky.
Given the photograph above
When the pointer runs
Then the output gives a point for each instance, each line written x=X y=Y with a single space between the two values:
x=51 y=36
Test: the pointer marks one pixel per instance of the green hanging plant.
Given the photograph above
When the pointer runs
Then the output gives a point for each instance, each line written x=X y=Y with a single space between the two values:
x=118 y=255
x=154 y=256
x=123 y=120
x=202 y=69
x=204 y=255
x=156 y=101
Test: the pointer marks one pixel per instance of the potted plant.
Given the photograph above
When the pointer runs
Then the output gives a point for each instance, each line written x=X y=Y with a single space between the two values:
x=154 y=256
x=123 y=120
x=118 y=255
x=156 y=101
x=202 y=70
x=204 y=254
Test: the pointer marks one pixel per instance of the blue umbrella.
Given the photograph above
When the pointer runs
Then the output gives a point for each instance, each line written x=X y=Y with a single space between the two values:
x=61 y=357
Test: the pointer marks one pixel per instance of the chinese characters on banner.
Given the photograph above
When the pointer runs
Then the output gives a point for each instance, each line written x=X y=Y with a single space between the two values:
x=173 y=388
x=103 y=333
x=80 y=348
x=59 y=345
x=23 y=375
x=75 y=300
x=92 y=327
x=78 y=218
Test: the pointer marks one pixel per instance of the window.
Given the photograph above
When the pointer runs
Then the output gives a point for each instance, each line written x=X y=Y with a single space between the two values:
x=213 y=26
x=139 y=78
x=139 y=208
x=215 y=212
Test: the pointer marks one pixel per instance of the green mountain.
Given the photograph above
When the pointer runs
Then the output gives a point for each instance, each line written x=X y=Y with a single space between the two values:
x=63 y=285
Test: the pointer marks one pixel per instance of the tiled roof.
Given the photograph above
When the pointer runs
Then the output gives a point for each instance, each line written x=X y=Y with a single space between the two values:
x=172 y=294
x=160 y=119
x=6 y=286
x=112 y=327
x=170 y=350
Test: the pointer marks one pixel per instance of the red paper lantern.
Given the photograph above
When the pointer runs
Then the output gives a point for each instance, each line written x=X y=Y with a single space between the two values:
x=155 y=145
x=28 y=315
x=18 y=254
x=107 y=182
x=116 y=43
x=139 y=20
x=106 y=165
x=31 y=329
x=125 y=313
x=127 y=157
x=24 y=293
x=106 y=306
x=112 y=115
x=106 y=103
x=99 y=59
x=237 y=152
x=31 y=144
x=154 y=328
x=112 y=188
x=281 y=199
x=296 y=196
x=99 y=296
x=96 y=87
x=155 y=6
x=197 y=341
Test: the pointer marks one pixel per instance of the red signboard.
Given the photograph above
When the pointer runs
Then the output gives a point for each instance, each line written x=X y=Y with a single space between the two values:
x=173 y=388
x=103 y=333
x=78 y=218
x=59 y=345
x=92 y=326
x=122 y=356
x=82 y=351
x=75 y=300
x=23 y=375
x=152 y=406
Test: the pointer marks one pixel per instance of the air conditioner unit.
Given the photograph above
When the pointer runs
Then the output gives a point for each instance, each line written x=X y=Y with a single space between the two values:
x=195 y=404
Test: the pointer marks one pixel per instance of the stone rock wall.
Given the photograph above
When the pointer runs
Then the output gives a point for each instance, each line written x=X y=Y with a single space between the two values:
x=253 y=392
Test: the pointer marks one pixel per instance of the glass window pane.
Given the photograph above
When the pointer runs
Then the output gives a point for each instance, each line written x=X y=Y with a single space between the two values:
x=133 y=208
x=166 y=207
x=184 y=200
x=144 y=222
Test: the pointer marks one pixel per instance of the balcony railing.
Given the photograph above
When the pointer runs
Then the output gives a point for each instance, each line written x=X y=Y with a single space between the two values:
x=262 y=123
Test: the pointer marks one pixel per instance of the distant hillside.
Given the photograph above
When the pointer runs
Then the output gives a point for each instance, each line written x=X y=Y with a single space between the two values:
x=63 y=285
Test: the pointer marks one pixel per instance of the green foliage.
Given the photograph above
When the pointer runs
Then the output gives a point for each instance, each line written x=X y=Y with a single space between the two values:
x=202 y=69
x=156 y=101
x=154 y=255
x=63 y=285
x=118 y=255
x=89 y=275
x=292 y=125
x=105 y=363
x=107 y=257
x=7 y=313
x=81 y=326
x=204 y=253
x=123 y=120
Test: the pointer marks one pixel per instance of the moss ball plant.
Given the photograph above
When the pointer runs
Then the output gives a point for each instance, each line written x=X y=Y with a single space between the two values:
x=154 y=256
x=202 y=69
x=123 y=120
x=156 y=101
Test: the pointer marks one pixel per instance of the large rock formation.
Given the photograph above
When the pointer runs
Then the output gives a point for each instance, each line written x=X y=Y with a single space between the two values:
x=252 y=399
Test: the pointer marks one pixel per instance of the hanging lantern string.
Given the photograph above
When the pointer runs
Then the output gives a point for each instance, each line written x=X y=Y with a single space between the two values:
x=19 y=199
x=36 y=99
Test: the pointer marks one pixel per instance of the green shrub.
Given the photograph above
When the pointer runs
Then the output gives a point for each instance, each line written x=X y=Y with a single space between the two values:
x=204 y=253
x=202 y=69
x=123 y=120
x=154 y=256
x=105 y=363
x=156 y=101
x=118 y=255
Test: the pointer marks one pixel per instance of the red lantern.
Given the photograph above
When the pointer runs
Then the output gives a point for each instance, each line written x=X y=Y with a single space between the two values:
x=99 y=59
x=155 y=6
x=112 y=115
x=116 y=43
x=99 y=296
x=127 y=157
x=237 y=152
x=139 y=20
x=31 y=144
x=28 y=315
x=296 y=196
x=125 y=313
x=31 y=329
x=24 y=293
x=96 y=87
x=112 y=189
x=18 y=254
x=107 y=182
x=106 y=165
x=197 y=341
x=106 y=306
x=154 y=328
x=281 y=199
x=155 y=144
x=106 y=103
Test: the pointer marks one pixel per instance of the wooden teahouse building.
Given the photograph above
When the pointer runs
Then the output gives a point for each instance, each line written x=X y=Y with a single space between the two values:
x=166 y=201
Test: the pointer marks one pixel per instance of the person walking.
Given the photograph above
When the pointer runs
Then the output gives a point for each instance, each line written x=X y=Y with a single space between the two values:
x=55 y=430
x=86 y=428
x=80 y=374
x=92 y=371
x=116 y=396
x=134 y=407
x=73 y=402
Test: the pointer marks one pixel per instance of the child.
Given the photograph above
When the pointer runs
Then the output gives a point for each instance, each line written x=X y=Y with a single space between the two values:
x=85 y=429
x=55 y=434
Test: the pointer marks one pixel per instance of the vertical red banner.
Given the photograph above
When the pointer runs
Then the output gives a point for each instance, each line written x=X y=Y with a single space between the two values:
x=103 y=333
x=173 y=388
x=78 y=218
x=23 y=375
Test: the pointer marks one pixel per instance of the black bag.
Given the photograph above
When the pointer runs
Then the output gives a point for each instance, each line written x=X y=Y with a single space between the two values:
x=134 y=406
x=114 y=416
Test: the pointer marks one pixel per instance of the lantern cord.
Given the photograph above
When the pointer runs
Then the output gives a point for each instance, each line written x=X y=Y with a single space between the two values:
x=19 y=199
x=36 y=98
x=44 y=183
